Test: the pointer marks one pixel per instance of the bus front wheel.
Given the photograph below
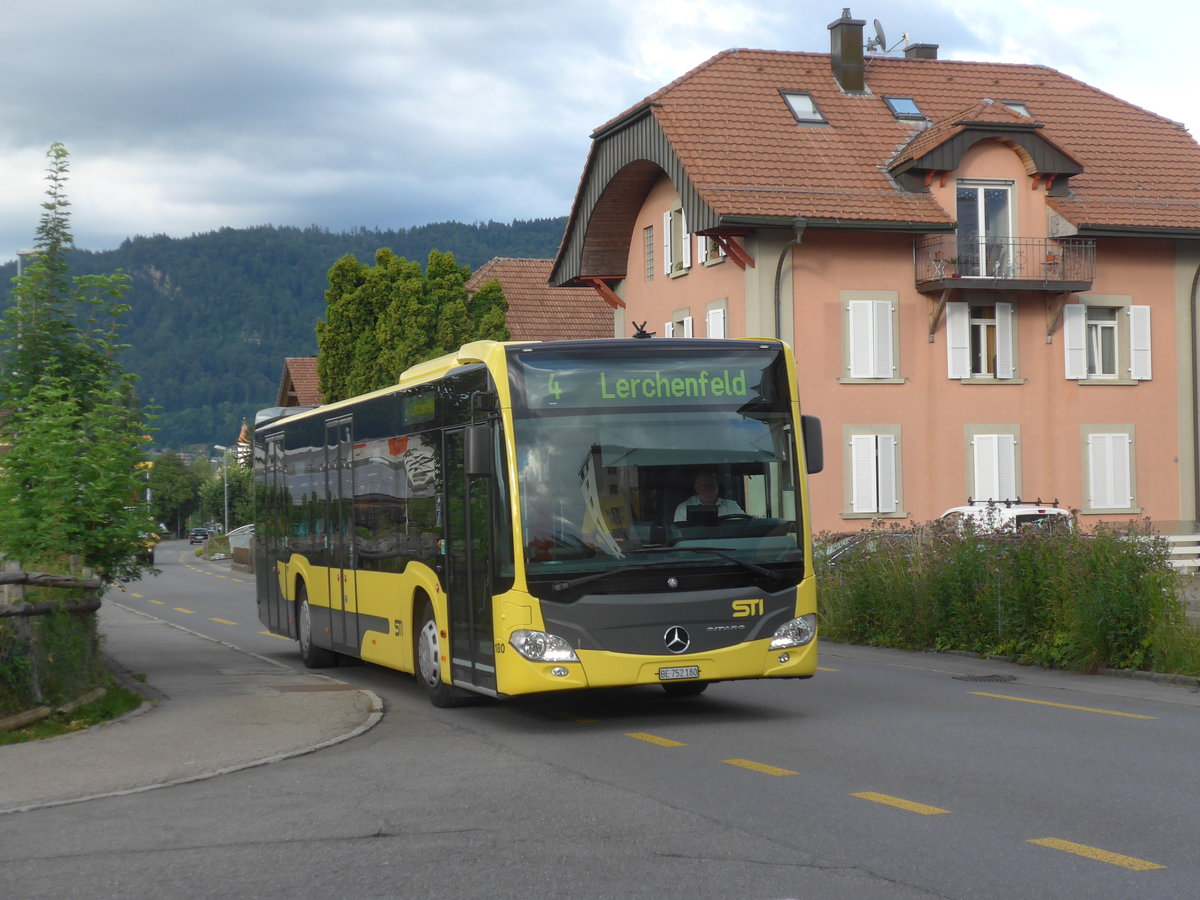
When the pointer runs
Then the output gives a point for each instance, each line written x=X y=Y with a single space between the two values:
x=311 y=655
x=428 y=659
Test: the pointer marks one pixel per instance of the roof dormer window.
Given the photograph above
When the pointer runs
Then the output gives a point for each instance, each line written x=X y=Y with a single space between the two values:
x=904 y=107
x=803 y=107
x=1019 y=108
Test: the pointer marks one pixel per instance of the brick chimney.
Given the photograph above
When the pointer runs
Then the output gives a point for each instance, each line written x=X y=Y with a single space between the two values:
x=921 y=51
x=846 y=52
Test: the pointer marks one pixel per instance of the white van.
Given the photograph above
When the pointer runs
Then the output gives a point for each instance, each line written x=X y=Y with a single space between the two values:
x=1008 y=515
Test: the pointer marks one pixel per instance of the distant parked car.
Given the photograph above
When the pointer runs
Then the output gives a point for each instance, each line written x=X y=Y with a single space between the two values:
x=198 y=536
x=1005 y=515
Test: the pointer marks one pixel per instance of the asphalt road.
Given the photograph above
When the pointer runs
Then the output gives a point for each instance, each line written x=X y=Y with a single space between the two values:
x=888 y=775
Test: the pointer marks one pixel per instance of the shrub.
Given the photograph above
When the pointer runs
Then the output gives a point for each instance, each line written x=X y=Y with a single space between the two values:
x=1055 y=597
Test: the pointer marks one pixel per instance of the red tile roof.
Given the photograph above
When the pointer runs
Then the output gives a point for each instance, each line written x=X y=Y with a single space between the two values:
x=747 y=155
x=539 y=312
x=299 y=385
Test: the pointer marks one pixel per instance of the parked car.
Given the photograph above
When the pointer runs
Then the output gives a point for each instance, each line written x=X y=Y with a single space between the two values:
x=198 y=536
x=1006 y=515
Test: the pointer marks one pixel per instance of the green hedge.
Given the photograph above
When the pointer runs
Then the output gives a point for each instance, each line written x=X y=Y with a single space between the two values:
x=1061 y=598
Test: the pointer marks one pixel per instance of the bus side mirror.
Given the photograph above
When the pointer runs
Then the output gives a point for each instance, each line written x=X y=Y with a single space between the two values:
x=478 y=461
x=814 y=448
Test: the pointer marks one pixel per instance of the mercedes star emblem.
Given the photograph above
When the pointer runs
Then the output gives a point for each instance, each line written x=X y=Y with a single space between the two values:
x=677 y=639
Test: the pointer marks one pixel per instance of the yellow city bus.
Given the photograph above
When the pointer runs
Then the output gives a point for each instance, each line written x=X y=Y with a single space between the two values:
x=517 y=518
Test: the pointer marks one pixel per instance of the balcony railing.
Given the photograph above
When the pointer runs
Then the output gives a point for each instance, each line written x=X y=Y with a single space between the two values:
x=953 y=261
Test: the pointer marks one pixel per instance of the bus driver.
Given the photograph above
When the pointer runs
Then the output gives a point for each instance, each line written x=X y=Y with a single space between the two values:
x=706 y=487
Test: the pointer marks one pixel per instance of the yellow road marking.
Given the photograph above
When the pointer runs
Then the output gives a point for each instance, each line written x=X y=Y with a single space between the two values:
x=191 y=612
x=1105 y=712
x=280 y=636
x=222 y=621
x=900 y=803
x=132 y=594
x=158 y=603
x=1115 y=859
x=654 y=739
x=759 y=767
x=824 y=669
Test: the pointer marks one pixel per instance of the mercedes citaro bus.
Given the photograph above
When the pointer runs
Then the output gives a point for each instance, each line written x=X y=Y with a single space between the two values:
x=506 y=519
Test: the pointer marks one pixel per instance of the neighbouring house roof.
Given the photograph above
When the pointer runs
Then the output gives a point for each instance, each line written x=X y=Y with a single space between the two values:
x=727 y=138
x=299 y=385
x=539 y=312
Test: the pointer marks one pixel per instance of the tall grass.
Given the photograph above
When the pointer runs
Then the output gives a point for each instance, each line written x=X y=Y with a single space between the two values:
x=1106 y=598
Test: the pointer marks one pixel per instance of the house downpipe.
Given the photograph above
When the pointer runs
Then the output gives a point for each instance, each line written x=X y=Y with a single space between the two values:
x=798 y=226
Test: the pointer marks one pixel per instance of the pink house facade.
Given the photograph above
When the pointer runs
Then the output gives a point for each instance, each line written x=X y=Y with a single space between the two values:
x=987 y=272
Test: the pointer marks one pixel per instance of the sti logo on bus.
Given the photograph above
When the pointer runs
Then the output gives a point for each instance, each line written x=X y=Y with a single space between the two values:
x=744 y=608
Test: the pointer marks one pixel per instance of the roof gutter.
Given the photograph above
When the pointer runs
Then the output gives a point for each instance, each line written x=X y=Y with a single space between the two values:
x=623 y=121
x=836 y=224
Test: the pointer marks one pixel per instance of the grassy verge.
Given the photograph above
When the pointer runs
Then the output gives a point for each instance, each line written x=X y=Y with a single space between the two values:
x=117 y=701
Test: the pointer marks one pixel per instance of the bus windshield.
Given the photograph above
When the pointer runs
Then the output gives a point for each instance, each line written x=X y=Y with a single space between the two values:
x=626 y=463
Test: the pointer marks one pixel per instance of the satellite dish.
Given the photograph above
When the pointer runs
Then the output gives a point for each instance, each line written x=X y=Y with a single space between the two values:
x=879 y=42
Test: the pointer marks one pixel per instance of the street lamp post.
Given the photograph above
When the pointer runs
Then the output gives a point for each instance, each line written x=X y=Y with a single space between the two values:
x=23 y=255
x=225 y=478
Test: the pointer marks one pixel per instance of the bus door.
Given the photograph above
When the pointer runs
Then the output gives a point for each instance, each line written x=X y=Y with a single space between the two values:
x=467 y=575
x=270 y=540
x=339 y=486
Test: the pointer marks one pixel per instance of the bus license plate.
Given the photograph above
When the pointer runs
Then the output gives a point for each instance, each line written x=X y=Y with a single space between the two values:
x=669 y=674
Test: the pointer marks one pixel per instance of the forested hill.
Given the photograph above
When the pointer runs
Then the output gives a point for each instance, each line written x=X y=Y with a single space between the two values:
x=214 y=315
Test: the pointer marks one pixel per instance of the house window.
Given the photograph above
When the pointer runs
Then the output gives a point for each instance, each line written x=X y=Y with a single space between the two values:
x=869 y=336
x=711 y=250
x=980 y=340
x=648 y=244
x=679 y=326
x=1108 y=458
x=677 y=243
x=985 y=229
x=803 y=107
x=872 y=482
x=714 y=320
x=1106 y=341
x=904 y=107
x=994 y=463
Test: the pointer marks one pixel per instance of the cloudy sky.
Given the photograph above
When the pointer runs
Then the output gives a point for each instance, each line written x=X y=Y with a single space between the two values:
x=184 y=117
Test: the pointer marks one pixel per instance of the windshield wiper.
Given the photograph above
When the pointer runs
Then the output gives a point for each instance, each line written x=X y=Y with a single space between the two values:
x=745 y=564
x=596 y=576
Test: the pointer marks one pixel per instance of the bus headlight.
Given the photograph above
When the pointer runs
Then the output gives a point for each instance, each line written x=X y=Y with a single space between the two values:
x=539 y=646
x=795 y=633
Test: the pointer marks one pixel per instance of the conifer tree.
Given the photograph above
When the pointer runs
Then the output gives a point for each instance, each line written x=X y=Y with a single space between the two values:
x=75 y=432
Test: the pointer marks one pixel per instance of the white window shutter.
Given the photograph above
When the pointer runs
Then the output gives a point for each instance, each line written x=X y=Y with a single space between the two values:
x=667 y=242
x=870 y=324
x=860 y=322
x=702 y=243
x=882 y=334
x=863 y=481
x=685 y=241
x=687 y=326
x=1004 y=340
x=668 y=329
x=886 y=456
x=1109 y=476
x=958 y=340
x=1139 y=343
x=995 y=467
x=1075 y=340
x=715 y=324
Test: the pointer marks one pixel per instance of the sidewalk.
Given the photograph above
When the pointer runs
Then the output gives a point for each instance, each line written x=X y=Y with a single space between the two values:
x=215 y=709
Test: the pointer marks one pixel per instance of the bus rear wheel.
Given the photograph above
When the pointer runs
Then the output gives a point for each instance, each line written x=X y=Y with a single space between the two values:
x=311 y=655
x=428 y=668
